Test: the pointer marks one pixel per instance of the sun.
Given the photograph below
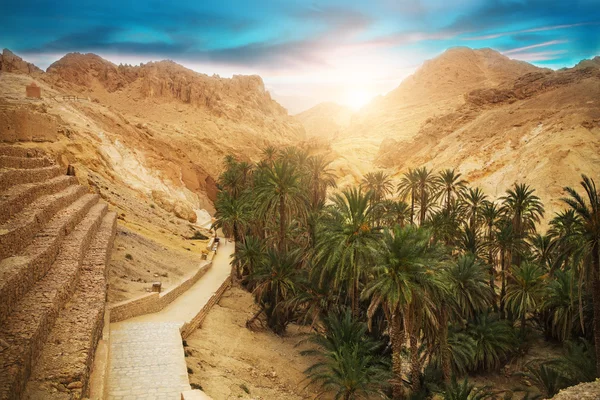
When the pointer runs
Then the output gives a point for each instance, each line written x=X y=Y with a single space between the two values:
x=357 y=98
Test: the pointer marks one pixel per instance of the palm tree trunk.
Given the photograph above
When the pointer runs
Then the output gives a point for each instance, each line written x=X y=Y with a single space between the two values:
x=282 y=223
x=503 y=288
x=444 y=349
x=397 y=339
x=596 y=301
x=415 y=365
x=412 y=207
x=523 y=321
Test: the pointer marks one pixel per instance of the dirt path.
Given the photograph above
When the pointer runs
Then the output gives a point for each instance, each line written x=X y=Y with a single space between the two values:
x=146 y=357
x=229 y=361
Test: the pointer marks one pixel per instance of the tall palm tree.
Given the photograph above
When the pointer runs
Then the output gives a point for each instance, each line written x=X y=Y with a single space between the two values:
x=232 y=215
x=281 y=191
x=348 y=242
x=525 y=290
x=490 y=213
x=379 y=183
x=589 y=213
x=467 y=294
x=451 y=187
x=400 y=285
x=475 y=203
x=349 y=366
x=524 y=209
x=320 y=178
x=276 y=279
x=408 y=187
x=427 y=185
x=248 y=255
x=506 y=243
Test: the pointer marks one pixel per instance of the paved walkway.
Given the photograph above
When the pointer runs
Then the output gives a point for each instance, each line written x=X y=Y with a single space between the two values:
x=146 y=356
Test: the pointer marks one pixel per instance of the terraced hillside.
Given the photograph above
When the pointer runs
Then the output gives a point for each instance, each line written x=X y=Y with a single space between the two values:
x=55 y=242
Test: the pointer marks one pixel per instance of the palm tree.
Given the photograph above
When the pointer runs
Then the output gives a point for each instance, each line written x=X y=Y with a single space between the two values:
x=468 y=284
x=232 y=215
x=494 y=340
x=524 y=209
x=320 y=178
x=395 y=213
x=276 y=279
x=465 y=391
x=505 y=243
x=347 y=243
x=525 y=290
x=408 y=187
x=427 y=185
x=269 y=154
x=451 y=187
x=490 y=213
x=400 y=285
x=280 y=190
x=248 y=255
x=589 y=213
x=350 y=367
x=379 y=183
x=467 y=294
x=560 y=304
x=475 y=200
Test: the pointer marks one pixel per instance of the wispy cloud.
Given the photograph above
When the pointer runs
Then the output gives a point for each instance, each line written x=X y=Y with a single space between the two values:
x=531 y=30
x=534 y=46
x=539 y=55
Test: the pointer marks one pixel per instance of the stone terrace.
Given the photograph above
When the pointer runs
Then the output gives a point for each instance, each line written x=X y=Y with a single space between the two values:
x=55 y=242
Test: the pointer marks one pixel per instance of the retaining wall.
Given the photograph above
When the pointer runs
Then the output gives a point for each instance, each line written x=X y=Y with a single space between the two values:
x=154 y=302
x=189 y=327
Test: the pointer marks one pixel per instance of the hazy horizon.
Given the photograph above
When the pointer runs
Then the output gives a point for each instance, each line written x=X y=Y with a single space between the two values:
x=305 y=53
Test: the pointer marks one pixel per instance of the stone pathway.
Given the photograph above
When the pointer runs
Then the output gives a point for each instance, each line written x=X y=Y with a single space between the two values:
x=146 y=354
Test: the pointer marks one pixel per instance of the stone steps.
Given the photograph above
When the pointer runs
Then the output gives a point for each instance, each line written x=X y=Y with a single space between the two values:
x=20 y=196
x=25 y=163
x=63 y=369
x=18 y=232
x=26 y=329
x=11 y=177
x=18 y=151
x=19 y=273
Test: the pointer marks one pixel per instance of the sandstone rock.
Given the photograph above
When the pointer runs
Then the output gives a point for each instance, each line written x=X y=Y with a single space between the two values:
x=75 y=385
x=9 y=62
x=180 y=209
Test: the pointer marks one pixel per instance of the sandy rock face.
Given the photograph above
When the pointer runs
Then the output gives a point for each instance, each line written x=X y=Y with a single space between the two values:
x=180 y=209
x=9 y=62
x=583 y=391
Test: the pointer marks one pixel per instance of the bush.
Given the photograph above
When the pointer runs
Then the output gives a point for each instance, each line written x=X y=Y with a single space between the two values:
x=129 y=257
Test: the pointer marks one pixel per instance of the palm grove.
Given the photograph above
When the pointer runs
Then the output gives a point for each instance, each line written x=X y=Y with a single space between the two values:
x=410 y=288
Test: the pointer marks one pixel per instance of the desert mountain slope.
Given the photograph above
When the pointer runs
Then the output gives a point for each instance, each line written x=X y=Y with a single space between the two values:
x=495 y=119
x=157 y=130
x=325 y=120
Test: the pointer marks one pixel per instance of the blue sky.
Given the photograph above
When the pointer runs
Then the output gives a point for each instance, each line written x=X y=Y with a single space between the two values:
x=305 y=51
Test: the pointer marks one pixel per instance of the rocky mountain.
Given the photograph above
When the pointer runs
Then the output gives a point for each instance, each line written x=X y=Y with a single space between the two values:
x=9 y=62
x=158 y=131
x=325 y=120
x=495 y=119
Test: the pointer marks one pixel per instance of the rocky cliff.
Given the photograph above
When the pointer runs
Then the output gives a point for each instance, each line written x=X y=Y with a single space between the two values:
x=157 y=130
x=495 y=119
x=9 y=62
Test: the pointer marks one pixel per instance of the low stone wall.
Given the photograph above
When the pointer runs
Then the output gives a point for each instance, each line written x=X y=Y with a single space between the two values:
x=154 y=302
x=189 y=327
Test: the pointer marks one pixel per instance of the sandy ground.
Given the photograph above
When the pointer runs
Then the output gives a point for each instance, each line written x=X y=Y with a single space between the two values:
x=229 y=361
x=138 y=260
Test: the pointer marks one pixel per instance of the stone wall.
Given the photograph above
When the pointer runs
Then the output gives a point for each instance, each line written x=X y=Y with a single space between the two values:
x=189 y=327
x=154 y=302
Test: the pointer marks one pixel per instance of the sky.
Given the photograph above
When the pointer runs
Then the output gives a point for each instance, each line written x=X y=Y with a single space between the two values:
x=306 y=52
